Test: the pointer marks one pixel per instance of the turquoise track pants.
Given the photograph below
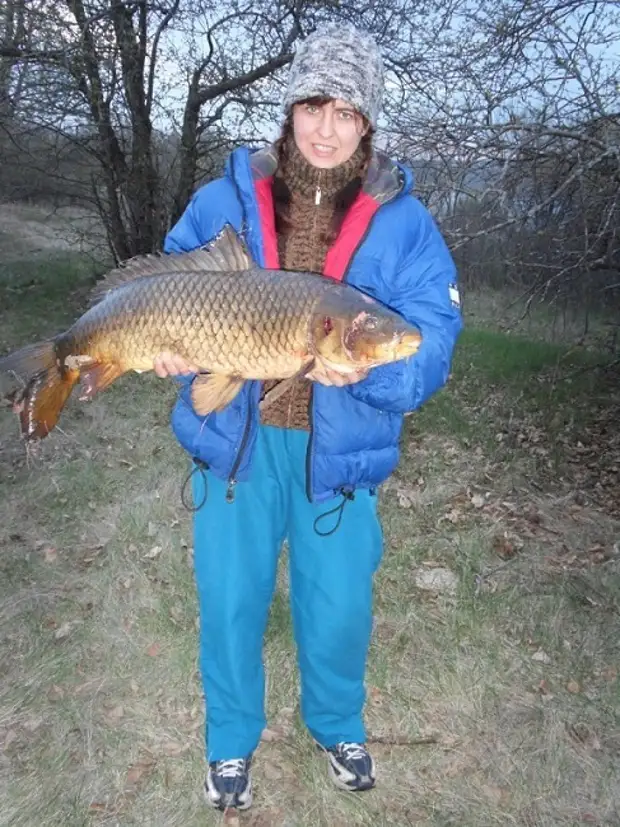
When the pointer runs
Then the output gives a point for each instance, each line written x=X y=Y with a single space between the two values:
x=236 y=550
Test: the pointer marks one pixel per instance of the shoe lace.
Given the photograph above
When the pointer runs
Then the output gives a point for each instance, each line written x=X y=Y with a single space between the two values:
x=352 y=751
x=231 y=767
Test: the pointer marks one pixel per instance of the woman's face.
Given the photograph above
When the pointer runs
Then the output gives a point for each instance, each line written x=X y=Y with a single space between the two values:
x=327 y=134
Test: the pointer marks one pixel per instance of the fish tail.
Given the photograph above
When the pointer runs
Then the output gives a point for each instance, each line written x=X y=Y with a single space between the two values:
x=46 y=386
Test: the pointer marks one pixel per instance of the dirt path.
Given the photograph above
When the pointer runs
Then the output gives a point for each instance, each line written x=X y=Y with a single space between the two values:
x=35 y=229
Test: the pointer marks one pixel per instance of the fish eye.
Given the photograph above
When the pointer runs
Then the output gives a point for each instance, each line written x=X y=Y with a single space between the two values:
x=371 y=322
x=328 y=325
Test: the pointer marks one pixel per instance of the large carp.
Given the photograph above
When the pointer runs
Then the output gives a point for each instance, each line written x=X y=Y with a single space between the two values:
x=218 y=310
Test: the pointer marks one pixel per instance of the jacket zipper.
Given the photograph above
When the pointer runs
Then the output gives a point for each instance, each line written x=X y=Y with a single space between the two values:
x=310 y=404
x=317 y=200
x=232 y=480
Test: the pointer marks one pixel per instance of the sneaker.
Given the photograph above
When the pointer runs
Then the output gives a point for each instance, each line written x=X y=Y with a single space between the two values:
x=229 y=784
x=351 y=766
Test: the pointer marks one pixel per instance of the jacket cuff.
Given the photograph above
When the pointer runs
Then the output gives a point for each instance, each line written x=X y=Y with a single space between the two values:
x=389 y=387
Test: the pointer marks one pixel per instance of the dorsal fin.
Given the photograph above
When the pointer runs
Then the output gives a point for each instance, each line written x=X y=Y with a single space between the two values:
x=225 y=253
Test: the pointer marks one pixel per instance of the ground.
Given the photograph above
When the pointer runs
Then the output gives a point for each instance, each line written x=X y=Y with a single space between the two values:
x=493 y=685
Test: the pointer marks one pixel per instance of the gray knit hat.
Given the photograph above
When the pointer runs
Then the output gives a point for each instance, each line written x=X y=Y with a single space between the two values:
x=338 y=61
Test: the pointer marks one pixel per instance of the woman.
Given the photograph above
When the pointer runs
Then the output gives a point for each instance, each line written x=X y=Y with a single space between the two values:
x=306 y=469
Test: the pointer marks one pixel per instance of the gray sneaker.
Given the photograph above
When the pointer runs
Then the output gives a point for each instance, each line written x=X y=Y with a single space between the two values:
x=351 y=766
x=229 y=784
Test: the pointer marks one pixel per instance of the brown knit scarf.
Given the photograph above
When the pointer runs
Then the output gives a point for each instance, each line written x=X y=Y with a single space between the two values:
x=304 y=246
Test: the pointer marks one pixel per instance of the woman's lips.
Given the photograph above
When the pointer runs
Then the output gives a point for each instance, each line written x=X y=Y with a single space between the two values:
x=323 y=150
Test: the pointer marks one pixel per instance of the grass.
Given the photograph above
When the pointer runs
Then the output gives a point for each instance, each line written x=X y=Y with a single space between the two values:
x=543 y=320
x=510 y=680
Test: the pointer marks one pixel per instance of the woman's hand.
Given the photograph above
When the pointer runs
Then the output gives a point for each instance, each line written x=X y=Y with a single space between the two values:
x=329 y=376
x=171 y=364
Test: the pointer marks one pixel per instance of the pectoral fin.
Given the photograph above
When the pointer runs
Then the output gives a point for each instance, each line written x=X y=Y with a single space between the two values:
x=97 y=377
x=212 y=392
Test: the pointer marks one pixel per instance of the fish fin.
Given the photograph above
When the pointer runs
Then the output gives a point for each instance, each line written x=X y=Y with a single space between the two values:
x=226 y=252
x=281 y=388
x=29 y=360
x=213 y=391
x=98 y=377
x=46 y=388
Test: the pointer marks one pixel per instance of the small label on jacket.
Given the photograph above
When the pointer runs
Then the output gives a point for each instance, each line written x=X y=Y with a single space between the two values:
x=455 y=296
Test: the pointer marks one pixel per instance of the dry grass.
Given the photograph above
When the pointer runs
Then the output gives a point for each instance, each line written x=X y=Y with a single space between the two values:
x=512 y=678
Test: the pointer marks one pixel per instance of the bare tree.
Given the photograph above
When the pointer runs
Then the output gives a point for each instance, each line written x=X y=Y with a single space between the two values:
x=516 y=117
x=103 y=66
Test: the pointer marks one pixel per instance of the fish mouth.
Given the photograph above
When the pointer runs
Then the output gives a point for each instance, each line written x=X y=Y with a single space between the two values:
x=407 y=343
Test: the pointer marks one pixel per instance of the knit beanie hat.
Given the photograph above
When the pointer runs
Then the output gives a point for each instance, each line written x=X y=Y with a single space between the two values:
x=338 y=61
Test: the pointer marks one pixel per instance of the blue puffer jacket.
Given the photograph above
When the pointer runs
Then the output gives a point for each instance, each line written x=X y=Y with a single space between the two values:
x=403 y=261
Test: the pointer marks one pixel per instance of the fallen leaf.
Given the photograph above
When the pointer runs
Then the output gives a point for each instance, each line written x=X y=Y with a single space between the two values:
x=50 y=555
x=231 y=818
x=582 y=733
x=478 y=501
x=134 y=686
x=453 y=516
x=544 y=688
x=139 y=770
x=271 y=771
x=115 y=714
x=63 y=631
x=151 y=529
x=376 y=696
x=56 y=693
x=404 y=500
x=271 y=734
x=540 y=656
x=573 y=687
x=153 y=650
x=153 y=553
x=503 y=547
x=172 y=749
